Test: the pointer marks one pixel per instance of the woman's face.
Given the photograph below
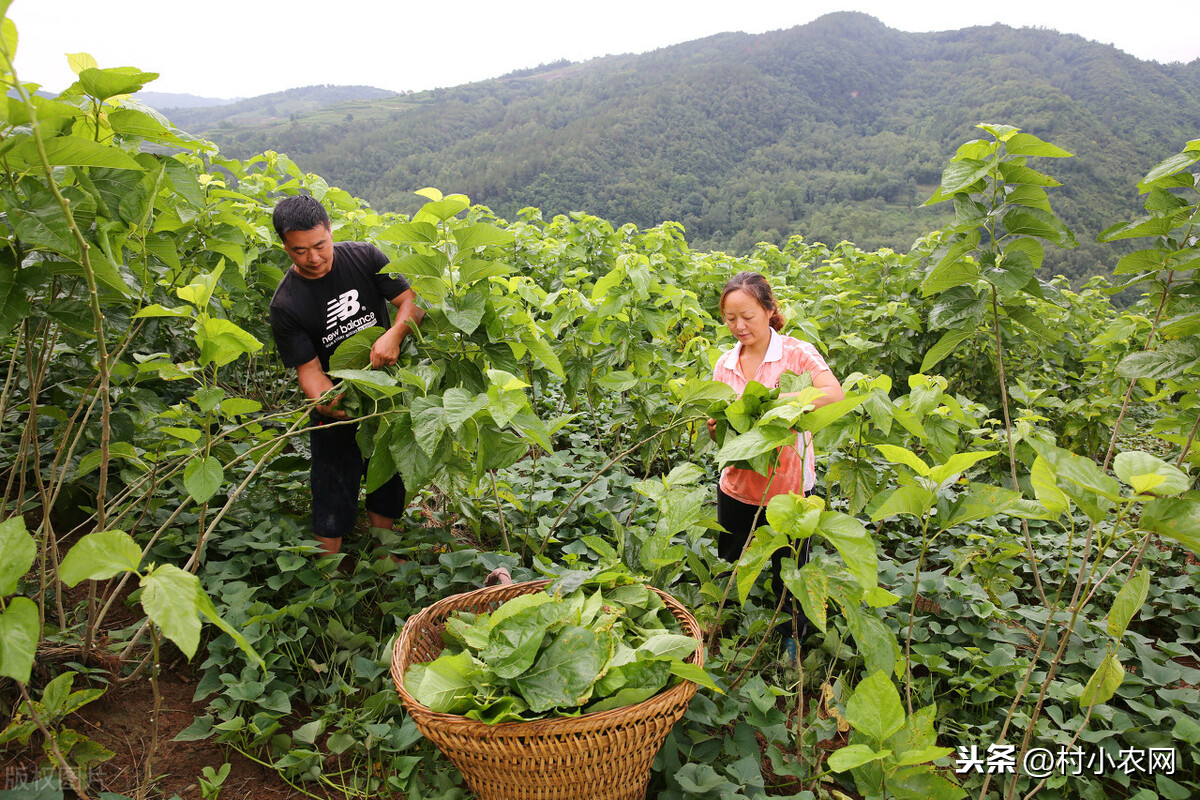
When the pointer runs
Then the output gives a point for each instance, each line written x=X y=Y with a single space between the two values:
x=746 y=319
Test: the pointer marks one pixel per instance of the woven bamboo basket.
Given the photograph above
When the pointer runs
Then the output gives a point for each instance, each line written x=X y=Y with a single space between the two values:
x=602 y=755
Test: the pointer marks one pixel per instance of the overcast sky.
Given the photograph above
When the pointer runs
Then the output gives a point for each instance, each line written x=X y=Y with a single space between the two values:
x=242 y=48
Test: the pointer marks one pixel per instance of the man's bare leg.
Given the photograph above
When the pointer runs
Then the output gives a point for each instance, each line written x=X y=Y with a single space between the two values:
x=380 y=521
x=331 y=545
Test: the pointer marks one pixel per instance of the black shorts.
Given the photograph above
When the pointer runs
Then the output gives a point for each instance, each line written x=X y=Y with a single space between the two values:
x=337 y=472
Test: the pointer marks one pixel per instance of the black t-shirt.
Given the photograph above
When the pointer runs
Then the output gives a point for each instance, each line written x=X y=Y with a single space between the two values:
x=311 y=317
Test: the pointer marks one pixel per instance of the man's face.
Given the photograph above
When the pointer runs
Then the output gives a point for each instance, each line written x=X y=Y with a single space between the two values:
x=311 y=251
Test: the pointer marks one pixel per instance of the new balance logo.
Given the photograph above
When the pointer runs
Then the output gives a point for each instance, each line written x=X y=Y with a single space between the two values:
x=342 y=307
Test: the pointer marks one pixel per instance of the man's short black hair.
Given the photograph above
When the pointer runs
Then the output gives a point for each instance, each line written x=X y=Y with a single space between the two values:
x=299 y=213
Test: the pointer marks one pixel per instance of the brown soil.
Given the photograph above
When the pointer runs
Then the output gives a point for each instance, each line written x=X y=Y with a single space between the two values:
x=121 y=721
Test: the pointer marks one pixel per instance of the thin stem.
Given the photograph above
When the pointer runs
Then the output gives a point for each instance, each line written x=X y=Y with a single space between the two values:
x=179 y=509
x=1188 y=445
x=49 y=545
x=733 y=574
x=6 y=397
x=529 y=505
x=102 y=365
x=1012 y=453
x=799 y=683
x=499 y=509
x=600 y=473
x=1133 y=383
x=1162 y=305
x=761 y=642
x=194 y=562
x=1052 y=670
x=1042 y=640
x=270 y=766
x=1108 y=573
x=1082 y=727
x=912 y=613
x=155 y=672
x=52 y=742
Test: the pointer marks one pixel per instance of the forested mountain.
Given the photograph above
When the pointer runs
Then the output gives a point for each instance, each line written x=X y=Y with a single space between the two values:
x=268 y=108
x=838 y=129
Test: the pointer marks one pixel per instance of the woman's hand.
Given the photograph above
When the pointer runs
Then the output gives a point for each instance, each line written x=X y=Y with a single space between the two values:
x=712 y=429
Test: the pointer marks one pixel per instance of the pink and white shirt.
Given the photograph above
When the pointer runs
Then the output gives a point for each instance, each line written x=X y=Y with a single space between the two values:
x=796 y=473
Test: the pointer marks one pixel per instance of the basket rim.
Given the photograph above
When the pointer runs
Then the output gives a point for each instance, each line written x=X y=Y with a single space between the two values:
x=679 y=692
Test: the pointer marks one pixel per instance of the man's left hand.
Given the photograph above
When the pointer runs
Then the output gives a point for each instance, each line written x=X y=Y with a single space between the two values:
x=386 y=349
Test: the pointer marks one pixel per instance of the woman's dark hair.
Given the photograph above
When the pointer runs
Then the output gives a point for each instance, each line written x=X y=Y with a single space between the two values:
x=757 y=287
x=298 y=213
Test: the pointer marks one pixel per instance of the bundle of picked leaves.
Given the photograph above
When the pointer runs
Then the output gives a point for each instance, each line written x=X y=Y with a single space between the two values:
x=751 y=428
x=548 y=654
x=361 y=389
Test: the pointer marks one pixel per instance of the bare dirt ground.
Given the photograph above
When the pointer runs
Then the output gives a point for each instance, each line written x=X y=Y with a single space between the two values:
x=121 y=721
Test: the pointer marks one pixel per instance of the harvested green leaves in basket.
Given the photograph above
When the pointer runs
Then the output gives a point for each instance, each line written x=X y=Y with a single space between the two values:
x=541 y=655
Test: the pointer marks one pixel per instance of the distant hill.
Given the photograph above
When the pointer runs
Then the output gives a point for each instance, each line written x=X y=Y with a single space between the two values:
x=268 y=109
x=168 y=100
x=838 y=129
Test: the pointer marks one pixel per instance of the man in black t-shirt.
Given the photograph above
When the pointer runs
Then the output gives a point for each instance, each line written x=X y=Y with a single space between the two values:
x=331 y=292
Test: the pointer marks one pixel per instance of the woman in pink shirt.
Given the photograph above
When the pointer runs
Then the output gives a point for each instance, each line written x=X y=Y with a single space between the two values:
x=763 y=354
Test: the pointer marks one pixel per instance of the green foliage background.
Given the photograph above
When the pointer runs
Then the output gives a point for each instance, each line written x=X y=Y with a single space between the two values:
x=979 y=575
